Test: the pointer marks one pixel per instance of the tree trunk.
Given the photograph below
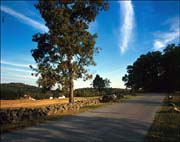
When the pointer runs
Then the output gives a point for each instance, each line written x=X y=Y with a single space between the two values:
x=71 y=87
x=71 y=81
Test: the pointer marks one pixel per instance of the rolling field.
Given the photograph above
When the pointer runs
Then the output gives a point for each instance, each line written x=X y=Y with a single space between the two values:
x=30 y=103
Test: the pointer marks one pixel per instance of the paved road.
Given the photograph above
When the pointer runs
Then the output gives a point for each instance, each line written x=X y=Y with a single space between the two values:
x=120 y=122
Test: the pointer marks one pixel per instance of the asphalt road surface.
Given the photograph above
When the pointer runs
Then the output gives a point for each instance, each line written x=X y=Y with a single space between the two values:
x=127 y=121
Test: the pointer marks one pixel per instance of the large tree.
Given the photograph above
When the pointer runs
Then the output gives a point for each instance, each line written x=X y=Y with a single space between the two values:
x=144 y=72
x=155 y=71
x=171 y=67
x=66 y=50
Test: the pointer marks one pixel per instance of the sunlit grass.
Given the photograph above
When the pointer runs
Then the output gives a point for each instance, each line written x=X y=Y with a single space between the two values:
x=25 y=103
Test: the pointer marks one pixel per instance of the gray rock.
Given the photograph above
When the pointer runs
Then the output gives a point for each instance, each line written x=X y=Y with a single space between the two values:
x=109 y=98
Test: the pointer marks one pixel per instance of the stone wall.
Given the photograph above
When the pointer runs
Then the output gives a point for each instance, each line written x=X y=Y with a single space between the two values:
x=27 y=114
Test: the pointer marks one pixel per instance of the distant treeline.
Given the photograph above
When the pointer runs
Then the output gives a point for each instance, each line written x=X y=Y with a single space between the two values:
x=89 y=92
x=11 y=91
x=18 y=90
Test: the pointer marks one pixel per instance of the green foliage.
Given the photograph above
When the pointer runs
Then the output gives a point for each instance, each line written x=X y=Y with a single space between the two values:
x=13 y=91
x=17 y=90
x=90 y=92
x=155 y=71
x=171 y=67
x=64 y=52
x=99 y=82
x=107 y=83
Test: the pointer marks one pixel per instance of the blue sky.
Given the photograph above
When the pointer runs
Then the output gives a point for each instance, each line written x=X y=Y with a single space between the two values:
x=127 y=30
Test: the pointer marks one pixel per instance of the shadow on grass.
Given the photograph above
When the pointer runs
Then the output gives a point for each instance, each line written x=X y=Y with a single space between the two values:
x=82 y=129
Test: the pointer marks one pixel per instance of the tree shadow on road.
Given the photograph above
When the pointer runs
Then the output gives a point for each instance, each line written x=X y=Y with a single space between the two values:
x=82 y=129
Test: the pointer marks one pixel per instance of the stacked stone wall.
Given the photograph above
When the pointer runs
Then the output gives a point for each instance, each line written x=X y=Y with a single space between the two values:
x=17 y=115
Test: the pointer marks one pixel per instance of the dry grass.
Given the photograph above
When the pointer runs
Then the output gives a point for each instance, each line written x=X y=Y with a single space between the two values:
x=10 y=127
x=25 y=103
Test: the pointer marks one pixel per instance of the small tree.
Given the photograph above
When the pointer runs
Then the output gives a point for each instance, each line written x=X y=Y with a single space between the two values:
x=107 y=83
x=99 y=82
x=67 y=48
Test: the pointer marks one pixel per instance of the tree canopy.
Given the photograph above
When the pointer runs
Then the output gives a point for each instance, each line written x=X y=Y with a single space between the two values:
x=66 y=50
x=155 y=71
x=99 y=82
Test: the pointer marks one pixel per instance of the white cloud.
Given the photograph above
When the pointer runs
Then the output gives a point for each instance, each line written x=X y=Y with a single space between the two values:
x=19 y=77
x=128 y=23
x=25 y=76
x=16 y=72
x=15 y=64
x=15 y=69
x=10 y=79
x=158 y=44
x=164 y=38
x=24 y=19
x=13 y=76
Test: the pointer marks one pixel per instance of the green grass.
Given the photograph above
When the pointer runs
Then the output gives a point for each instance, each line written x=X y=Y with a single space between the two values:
x=166 y=125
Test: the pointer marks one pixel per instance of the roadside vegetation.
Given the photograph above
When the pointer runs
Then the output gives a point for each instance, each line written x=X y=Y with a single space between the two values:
x=155 y=71
x=166 y=125
x=12 y=91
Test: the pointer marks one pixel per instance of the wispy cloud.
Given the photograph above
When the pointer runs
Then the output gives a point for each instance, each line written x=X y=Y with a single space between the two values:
x=162 y=39
x=19 y=76
x=14 y=64
x=15 y=69
x=10 y=79
x=24 y=19
x=22 y=79
x=127 y=13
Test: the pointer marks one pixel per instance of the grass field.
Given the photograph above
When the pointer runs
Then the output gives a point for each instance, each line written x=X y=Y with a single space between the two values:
x=30 y=103
x=166 y=126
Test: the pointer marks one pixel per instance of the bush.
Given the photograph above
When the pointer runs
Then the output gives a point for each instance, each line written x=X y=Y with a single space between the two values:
x=91 y=92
